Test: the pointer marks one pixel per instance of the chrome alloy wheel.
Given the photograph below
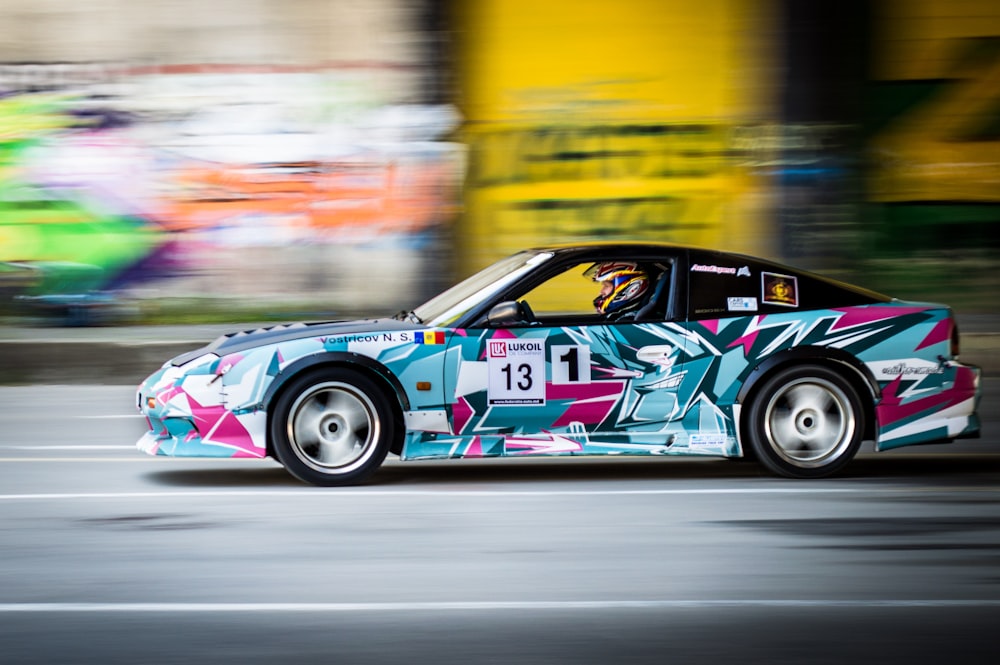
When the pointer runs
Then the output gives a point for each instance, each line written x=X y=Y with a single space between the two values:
x=333 y=427
x=809 y=421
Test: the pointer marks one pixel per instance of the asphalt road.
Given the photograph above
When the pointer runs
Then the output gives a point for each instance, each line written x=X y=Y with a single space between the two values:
x=109 y=556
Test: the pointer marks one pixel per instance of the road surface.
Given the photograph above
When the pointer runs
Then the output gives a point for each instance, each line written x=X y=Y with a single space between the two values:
x=110 y=556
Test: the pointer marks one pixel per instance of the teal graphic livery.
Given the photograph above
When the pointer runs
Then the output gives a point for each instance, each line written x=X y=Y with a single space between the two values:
x=690 y=352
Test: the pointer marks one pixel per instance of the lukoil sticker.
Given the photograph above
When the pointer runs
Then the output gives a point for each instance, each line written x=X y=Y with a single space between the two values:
x=516 y=369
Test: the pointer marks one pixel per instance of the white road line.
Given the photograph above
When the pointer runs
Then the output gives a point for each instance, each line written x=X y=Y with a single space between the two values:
x=112 y=416
x=87 y=460
x=465 y=606
x=79 y=447
x=318 y=492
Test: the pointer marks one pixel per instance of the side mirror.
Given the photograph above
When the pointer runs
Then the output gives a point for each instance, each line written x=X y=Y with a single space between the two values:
x=505 y=314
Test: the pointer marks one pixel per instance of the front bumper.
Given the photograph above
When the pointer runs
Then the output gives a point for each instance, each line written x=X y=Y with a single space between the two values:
x=187 y=415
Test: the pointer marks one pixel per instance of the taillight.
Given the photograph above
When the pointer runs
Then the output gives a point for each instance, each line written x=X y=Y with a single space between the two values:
x=954 y=338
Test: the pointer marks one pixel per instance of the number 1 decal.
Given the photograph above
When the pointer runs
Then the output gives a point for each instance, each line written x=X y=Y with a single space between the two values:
x=570 y=364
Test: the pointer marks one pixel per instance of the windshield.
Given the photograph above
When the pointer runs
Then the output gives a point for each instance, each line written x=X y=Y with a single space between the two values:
x=443 y=309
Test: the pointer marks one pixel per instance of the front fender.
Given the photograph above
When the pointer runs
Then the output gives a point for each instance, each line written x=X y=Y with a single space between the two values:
x=335 y=358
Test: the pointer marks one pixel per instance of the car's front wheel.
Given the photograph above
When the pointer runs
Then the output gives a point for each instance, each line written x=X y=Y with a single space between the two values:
x=332 y=427
x=805 y=422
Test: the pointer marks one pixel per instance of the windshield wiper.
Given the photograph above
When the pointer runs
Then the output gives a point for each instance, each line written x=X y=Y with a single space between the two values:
x=404 y=315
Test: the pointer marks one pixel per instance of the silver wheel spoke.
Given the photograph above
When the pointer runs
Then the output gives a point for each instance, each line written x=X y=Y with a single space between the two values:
x=832 y=426
x=809 y=397
x=350 y=409
x=783 y=429
x=809 y=422
x=333 y=453
x=333 y=427
x=307 y=423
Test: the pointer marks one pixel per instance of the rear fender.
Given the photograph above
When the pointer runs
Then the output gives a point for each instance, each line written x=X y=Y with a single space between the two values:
x=855 y=370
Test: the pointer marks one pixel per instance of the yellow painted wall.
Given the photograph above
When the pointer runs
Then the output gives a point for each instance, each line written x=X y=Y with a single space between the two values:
x=590 y=119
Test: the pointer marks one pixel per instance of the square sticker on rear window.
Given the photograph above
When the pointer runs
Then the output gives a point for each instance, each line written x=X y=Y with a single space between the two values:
x=741 y=304
x=779 y=289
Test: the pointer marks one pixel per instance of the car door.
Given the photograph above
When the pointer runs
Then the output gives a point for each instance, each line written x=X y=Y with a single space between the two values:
x=567 y=381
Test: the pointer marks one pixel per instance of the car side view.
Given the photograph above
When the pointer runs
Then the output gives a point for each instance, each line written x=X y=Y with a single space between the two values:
x=596 y=349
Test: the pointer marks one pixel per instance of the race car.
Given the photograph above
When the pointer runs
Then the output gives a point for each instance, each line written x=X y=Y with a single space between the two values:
x=592 y=349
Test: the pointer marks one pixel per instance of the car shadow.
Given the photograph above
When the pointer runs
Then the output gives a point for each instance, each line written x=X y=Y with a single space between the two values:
x=225 y=477
x=920 y=466
x=962 y=469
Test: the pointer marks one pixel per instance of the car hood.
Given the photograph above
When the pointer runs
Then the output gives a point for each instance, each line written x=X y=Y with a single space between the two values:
x=244 y=340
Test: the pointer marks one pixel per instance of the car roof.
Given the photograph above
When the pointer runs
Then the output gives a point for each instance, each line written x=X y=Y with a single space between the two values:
x=647 y=249
x=640 y=249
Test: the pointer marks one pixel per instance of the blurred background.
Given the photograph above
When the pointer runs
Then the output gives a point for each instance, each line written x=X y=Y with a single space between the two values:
x=177 y=161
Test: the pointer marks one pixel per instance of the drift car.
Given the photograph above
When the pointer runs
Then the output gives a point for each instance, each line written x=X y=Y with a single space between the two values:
x=716 y=354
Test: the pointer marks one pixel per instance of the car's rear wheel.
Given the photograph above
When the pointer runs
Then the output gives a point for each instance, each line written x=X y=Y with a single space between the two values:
x=332 y=427
x=805 y=422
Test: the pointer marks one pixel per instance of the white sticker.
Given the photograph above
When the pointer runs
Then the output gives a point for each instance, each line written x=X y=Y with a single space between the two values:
x=742 y=304
x=662 y=355
x=570 y=363
x=708 y=440
x=516 y=370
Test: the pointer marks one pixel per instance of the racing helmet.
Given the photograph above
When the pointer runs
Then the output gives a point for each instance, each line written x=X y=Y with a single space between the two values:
x=629 y=284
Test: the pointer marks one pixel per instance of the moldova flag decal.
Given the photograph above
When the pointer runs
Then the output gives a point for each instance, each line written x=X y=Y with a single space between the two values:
x=429 y=337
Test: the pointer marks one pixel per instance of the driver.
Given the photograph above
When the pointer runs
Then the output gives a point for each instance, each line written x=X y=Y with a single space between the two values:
x=623 y=286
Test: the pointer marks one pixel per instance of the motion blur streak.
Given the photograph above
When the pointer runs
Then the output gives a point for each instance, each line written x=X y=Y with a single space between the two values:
x=182 y=159
x=11 y=608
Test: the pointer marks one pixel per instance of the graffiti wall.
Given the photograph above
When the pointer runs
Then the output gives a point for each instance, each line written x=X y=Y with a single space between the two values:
x=261 y=187
x=843 y=135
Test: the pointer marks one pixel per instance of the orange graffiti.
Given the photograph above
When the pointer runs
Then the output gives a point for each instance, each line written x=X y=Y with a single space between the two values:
x=320 y=196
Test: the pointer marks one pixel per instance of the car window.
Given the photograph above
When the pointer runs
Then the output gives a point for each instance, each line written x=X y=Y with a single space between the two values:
x=568 y=297
x=723 y=286
x=567 y=294
x=443 y=309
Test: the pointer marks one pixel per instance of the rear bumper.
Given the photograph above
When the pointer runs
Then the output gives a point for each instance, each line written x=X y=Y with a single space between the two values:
x=906 y=418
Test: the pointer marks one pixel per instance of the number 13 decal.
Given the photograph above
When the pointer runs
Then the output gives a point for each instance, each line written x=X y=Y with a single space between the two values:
x=516 y=370
x=570 y=363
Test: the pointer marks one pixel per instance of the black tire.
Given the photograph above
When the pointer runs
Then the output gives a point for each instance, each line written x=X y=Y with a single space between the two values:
x=332 y=427
x=805 y=422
